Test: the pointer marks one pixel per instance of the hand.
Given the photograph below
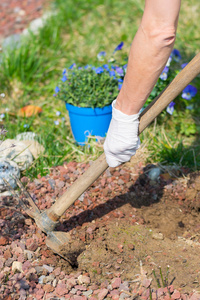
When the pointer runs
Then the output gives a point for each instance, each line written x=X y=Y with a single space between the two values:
x=122 y=139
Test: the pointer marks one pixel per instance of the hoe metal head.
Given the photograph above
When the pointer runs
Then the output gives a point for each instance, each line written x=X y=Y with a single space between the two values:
x=55 y=240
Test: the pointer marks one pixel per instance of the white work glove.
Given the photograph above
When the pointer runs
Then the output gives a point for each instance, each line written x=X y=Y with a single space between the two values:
x=122 y=139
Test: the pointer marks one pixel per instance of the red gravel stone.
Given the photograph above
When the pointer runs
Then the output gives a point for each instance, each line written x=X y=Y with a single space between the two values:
x=61 y=289
x=7 y=254
x=48 y=288
x=116 y=283
x=102 y=294
x=3 y=241
x=176 y=295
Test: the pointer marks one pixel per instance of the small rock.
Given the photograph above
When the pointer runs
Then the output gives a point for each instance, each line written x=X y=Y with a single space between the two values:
x=22 y=294
x=19 y=153
x=16 y=266
x=120 y=182
x=195 y=296
x=89 y=230
x=154 y=173
x=3 y=241
x=48 y=268
x=87 y=293
x=52 y=183
x=102 y=294
x=28 y=254
x=73 y=291
x=176 y=295
x=8 y=170
x=123 y=296
x=33 y=246
x=71 y=282
x=157 y=236
x=124 y=287
x=54 y=282
x=49 y=278
x=9 y=262
x=61 y=289
x=146 y=283
x=83 y=279
x=131 y=246
x=41 y=279
x=23 y=284
x=116 y=283
x=48 y=288
x=39 y=270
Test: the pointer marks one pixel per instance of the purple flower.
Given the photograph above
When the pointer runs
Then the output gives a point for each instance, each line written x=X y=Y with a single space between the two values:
x=190 y=107
x=112 y=73
x=189 y=92
x=64 y=71
x=119 y=47
x=101 y=55
x=119 y=71
x=163 y=75
x=125 y=68
x=99 y=70
x=120 y=80
x=119 y=86
x=184 y=65
x=106 y=67
x=176 y=55
x=64 y=78
x=72 y=66
x=170 y=108
x=57 y=89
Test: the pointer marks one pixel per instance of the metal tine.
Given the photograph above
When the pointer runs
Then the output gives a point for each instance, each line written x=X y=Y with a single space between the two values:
x=29 y=198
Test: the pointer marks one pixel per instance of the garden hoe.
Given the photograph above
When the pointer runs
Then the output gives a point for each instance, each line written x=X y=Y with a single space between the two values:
x=48 y=219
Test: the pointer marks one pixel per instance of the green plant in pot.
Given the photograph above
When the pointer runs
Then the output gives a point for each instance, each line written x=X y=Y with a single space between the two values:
x=88 y=92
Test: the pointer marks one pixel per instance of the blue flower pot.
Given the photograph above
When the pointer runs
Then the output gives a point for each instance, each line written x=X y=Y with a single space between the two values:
x=88 y=121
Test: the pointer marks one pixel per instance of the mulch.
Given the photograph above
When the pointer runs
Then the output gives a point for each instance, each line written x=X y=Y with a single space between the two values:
x=16 y=15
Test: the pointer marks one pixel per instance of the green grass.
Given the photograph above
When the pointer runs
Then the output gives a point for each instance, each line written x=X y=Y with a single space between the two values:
x=76 y=33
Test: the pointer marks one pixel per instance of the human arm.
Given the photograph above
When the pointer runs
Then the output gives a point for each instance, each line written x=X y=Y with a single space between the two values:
x=150 y=50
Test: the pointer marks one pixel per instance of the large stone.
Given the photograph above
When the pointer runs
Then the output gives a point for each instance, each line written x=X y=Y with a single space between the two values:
x=35 y=148
x=16 y=151
x=29 y=135
x=30 y=140
x=8 y=170
x=12 y=41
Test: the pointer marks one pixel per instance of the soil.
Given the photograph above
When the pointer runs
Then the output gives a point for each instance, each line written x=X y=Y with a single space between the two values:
x=160 y=233
x=124 y=226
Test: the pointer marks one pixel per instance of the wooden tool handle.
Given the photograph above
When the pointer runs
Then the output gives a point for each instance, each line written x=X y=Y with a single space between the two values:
x=147 y=116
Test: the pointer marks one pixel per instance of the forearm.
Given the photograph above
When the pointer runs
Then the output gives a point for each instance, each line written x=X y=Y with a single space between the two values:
x=149 y=53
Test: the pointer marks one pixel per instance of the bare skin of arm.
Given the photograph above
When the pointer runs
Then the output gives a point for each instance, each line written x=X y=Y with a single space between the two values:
x=149 y=53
